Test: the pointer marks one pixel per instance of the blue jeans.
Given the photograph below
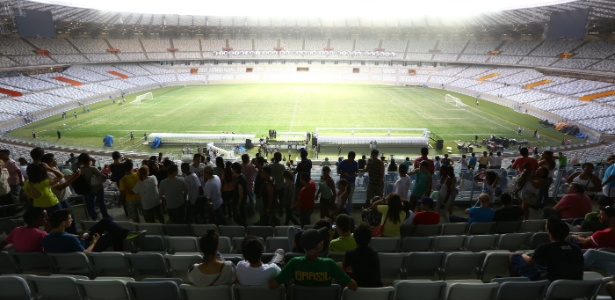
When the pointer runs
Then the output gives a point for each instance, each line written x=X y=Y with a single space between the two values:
x=600 y=260
x=533 y=272
x=93 y=199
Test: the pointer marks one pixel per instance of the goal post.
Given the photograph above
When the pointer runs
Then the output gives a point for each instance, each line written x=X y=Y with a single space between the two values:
x=453 y=100
x=144 y=97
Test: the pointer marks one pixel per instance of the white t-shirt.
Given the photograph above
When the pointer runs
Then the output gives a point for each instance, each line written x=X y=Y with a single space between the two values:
x=212 y=190
x=255 y=276
x=193 y=184
x=64 y=193
x=198 y=278
x=198 y=171
x=148 y=192
x=401 y=186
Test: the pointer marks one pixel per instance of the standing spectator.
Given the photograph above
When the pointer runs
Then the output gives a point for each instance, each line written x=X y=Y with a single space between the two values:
x=228 y=190
x=472 y=161
x=326 y=190
x=375 y=171
x=520 y=162
x=341 y=199
x=608 y=181
x=563 y=160
x=483 y=161
x=306 y=199
x=214 y=270
x=147 y=188
x=173 y=195
x=269 y=198
x=349 y=169
x=15 y=180
x=62 y=188
x=38 y=187
x=363 y=261
x=402 y=184
x=490 y=180
x=128 y=197
x=249 y=172
x=447 y=192
x=241 y=195
x=212 y=192
x=430 y=167
x=587 y=179
x=96 y=195
x=193 y=187
x=508 y=212
x=303 y=166
x=277 y=173
x=289 y=198
x=422 y=184
x=528 y=187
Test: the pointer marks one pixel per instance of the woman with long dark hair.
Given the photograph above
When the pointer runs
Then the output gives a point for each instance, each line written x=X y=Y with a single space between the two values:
x=213 y=270
x=393 y=214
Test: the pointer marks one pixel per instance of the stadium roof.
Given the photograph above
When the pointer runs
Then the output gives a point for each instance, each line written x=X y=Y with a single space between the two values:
x=522 y=16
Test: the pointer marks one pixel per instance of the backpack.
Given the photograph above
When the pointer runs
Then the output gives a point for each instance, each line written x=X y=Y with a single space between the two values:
x=5 y=188
x=81 y=185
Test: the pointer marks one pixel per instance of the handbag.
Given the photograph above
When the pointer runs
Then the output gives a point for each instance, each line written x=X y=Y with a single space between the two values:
x=378 y=231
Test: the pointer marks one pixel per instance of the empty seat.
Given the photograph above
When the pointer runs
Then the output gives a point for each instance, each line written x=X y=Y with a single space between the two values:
x=179 y=264
x=71 y=263
x=532 y=226
x=104 y=289
x=162 y=290
x=427 y=230
x=507 y=227
x=152 y=228
x=422 y=264
x=152 y=243
x=527 y=290
x=382 y=293
x=391 y=266
x=126 y=225
x=277 y=242
x=495 y=264
x=55 y=287
x=201 y=229
x=33 y=263
x=7 y=264
x=224 y=244
x=481 y=228
x=385 y=244
x=260 y=231
x=513 y=241
x=448 y=243
x=182 y=244
x=477 y=243
x=416 y=243
x=232 y=231
x=454 y=229
x=331 y=292
x=537 y=239
x=177 y=229
x=280 y=230
x=419 y=289
x=474 y=291
x=110 y=264
x=148 y=265
x=246 y=292
x=465 y=265
x=14 y=288
x=572 y=289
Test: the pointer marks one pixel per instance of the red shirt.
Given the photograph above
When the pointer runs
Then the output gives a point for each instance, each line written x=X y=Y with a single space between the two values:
x=574 y=206
x=417 y=162
x=306 y=196
x=426 y=218
x=603 y=239
x=521 y=161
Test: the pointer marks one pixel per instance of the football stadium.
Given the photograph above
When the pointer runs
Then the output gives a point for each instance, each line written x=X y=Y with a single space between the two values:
x=446 y=149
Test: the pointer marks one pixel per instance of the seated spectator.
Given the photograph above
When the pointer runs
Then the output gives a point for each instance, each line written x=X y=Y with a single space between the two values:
x=252 y=271
x=393 y=214
x=59 y=241
x=602 y=238
x=27 y=238
x=482 y=213
x=425 y=214
x=214 y=270
x=591 y=222
x=508 y=212
x=574 y=205
x=345 y=241
x=312 y=270
x=555 y=260
x=363 y=261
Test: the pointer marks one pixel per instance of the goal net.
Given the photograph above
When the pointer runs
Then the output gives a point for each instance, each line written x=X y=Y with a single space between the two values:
x=453 y=100
x=144 y=97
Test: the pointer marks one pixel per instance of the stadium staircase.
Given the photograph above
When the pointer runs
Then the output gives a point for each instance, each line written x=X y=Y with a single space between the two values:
x=64 y=79
x=462 y=50
x=483 y=78
x=535 y=84
x=172 y=46
x=109 y=46
x=537 y=46
x=73 y=45
x=591 y=97
x=118 y=74
x=10 y=92
x=34 y=47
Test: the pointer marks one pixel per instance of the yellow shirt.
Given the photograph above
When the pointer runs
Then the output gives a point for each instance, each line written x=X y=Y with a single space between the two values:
x=390 y=229
x=46 y=197
x=127 y=183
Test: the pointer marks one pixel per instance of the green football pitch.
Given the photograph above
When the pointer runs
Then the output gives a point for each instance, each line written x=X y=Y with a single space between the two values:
x=256 y=108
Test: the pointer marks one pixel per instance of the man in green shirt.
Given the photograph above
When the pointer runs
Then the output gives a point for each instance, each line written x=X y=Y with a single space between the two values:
x=563 y=160
x=312 y=270
x=345 y=241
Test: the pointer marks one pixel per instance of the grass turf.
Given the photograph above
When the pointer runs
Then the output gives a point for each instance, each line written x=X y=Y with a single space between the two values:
x=255 y=108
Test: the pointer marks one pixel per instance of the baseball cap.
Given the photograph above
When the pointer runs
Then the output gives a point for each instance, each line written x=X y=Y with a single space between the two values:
x=427 y=201
x=310 y=239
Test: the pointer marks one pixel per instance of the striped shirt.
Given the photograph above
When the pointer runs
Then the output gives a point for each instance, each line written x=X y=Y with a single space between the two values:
x=375 y=170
